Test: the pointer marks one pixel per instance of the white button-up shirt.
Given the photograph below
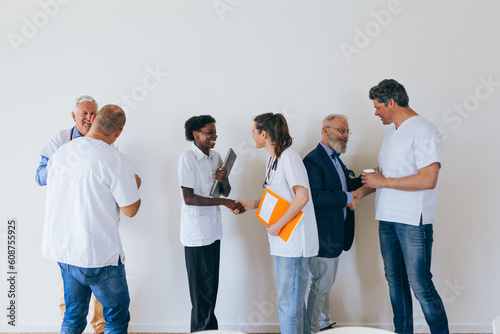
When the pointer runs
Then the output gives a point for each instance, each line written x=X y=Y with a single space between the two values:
x=200 y=225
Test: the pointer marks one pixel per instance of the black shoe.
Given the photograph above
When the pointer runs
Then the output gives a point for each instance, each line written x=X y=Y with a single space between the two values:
x=330 y=326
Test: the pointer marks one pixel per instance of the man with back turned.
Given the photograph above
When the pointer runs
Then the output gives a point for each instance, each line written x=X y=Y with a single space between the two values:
x=89 y=182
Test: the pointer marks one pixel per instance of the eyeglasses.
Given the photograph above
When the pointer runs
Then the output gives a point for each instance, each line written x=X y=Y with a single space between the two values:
x=341 y=130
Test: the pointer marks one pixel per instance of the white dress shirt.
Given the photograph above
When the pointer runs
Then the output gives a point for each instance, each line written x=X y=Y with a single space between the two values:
x=200 y=225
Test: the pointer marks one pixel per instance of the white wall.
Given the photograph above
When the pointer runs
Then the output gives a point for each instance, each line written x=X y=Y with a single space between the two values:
x=235 y=59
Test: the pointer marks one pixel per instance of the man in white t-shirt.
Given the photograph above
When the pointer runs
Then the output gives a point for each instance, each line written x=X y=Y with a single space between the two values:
x=85 y=107
x=88 y=183
x=405 y=205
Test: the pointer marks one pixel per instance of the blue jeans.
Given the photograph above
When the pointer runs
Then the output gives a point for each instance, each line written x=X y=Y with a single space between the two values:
x=406 y=251
x=291 y=281
x=109 y=286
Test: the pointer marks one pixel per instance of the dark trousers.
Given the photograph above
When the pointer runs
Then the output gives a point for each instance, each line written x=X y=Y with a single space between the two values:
x=202 y=264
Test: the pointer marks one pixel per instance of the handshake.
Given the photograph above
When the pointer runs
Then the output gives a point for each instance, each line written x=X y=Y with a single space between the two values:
x=371 y=180
x=236 y=206
x=352 y=205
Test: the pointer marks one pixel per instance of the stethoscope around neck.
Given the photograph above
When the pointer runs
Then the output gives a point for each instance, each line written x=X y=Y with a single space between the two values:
x=272 y=164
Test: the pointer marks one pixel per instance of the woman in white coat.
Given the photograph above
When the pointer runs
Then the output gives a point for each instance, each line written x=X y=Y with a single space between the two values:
x=287 y=177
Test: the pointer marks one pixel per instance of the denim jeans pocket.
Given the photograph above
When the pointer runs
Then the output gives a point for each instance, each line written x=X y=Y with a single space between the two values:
x=92 y=275
x=63 y=266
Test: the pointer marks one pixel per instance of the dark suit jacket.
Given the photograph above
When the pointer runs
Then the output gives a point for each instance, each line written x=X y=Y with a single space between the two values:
x=334 y=233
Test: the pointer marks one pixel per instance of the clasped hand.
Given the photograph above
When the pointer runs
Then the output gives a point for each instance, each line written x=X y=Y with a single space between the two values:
x=355 y=201
x=240 y=207
x=236 y=207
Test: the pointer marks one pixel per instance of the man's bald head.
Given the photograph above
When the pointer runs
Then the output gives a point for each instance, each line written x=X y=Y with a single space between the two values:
x=109 y=119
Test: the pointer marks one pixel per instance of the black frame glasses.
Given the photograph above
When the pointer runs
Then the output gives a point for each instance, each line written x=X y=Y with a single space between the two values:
x=341 y=130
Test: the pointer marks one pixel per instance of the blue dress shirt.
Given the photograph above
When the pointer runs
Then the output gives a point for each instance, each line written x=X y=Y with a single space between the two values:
x=41 y=171
x=334 y=156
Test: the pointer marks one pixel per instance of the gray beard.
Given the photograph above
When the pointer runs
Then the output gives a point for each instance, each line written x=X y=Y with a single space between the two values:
x=336 y=145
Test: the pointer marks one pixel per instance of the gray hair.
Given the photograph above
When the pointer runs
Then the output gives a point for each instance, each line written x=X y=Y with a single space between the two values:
x=84 y=98
x=389 y=89
x=110 y=119
x=332 y=117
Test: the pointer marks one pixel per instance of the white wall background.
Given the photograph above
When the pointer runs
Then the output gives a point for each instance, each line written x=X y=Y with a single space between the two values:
x=235 y=59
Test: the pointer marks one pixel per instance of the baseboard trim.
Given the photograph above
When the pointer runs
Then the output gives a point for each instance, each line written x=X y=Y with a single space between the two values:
x=246 y=328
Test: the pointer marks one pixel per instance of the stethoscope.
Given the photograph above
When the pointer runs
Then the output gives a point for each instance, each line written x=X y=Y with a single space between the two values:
x=272 y=164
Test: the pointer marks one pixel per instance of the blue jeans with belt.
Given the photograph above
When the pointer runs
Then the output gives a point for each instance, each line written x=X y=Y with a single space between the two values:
x=109 y=286
x=406 y=251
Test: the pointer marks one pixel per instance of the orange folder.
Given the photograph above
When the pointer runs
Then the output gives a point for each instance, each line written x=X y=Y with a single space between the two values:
x=271 y=208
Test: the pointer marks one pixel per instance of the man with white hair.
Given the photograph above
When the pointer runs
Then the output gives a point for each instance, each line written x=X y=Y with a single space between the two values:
x=85 y=108
x=331 y=189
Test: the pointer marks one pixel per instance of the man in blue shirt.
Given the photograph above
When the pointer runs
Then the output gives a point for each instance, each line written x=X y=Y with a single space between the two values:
x=85 y=108
x=331 y=189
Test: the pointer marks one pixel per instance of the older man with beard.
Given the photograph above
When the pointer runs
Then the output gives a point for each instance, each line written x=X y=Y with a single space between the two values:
x=331 y=188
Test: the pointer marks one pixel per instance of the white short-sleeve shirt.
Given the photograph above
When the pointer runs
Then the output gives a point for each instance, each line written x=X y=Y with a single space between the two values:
x=200 y=225
x=414 y=145
x=88 y=181
x=290 y=171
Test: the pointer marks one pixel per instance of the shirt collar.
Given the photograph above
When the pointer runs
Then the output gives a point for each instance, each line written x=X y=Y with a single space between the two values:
x=199 y=154
x=76 y=133
x=329 y=151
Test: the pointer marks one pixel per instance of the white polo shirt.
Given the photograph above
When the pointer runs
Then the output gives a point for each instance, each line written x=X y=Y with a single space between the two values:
x=290 y=171
x=414 y=145
x=200 y=225
x=88 y=180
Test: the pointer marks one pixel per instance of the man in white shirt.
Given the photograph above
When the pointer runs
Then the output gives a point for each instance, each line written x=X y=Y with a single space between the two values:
x=405 y=205
x=85 y=107
x=88 y=183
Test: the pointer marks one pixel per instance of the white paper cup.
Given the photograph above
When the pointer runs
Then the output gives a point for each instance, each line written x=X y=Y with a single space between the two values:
x=369 y=171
